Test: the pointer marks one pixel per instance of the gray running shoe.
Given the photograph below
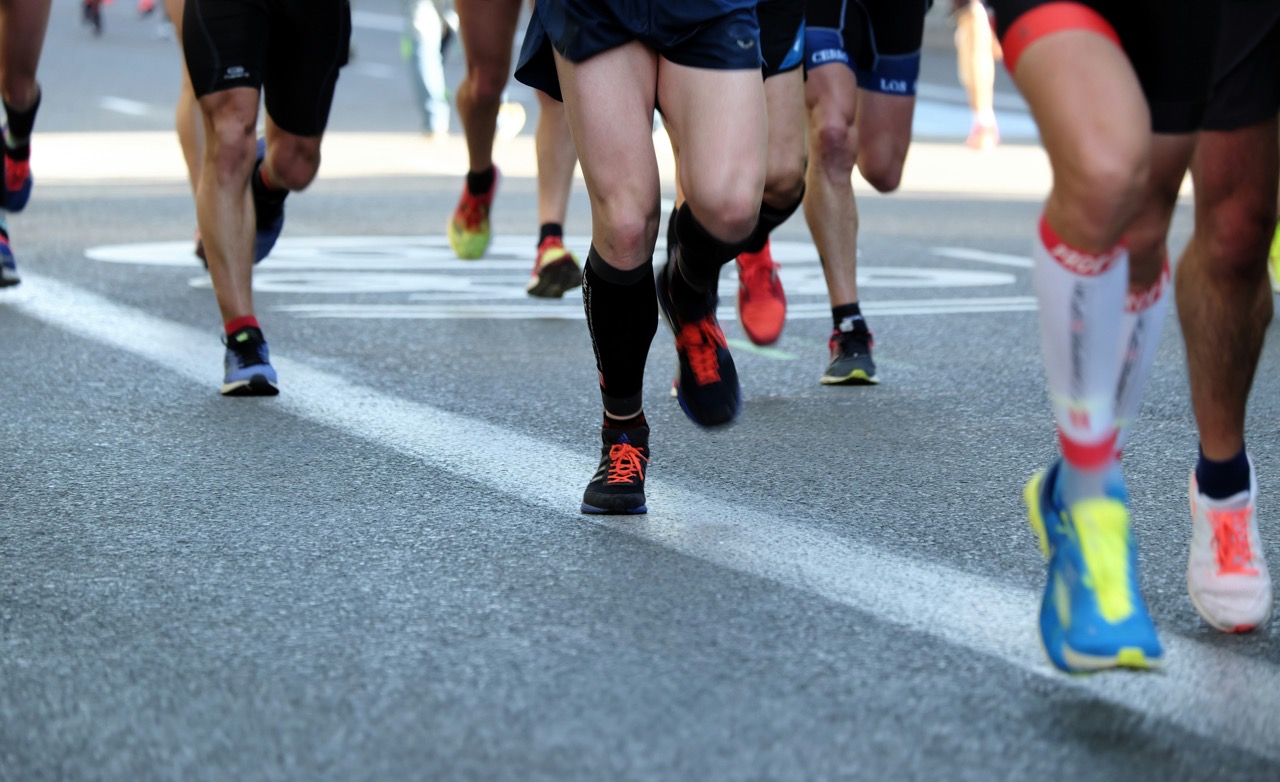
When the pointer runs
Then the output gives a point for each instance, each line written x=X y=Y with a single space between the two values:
x=851 y=363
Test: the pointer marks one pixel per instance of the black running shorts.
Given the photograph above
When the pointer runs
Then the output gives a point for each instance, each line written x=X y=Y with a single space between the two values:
x=781 y=35
x=1246 y=84
x=714 y=34
x=1169 y=42
x=291 y=50
x=879 y=40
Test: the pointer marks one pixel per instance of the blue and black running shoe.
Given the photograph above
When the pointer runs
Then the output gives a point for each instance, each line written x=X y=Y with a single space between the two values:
x=618 y=485
x=248 y=365
x=268 y=209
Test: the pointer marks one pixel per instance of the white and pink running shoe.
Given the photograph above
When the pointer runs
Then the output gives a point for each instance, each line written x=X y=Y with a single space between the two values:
x=1227 y=575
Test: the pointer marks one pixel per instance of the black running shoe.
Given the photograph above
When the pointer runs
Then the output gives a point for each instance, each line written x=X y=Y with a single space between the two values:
x=618 y=486
x=851 y=363
x=706 y=379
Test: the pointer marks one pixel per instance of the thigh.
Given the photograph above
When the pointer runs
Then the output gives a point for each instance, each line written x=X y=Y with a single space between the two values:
x=487 y=28
x=719 y=117
x=224 y=43
x=608 y=101
x=310 y=43
x=884 y=130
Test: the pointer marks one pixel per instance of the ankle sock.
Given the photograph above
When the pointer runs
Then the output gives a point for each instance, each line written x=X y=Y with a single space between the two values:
x=1220 y=480
x=480 y=182
x=846 y=317
x=17 y=137
x=550 y=230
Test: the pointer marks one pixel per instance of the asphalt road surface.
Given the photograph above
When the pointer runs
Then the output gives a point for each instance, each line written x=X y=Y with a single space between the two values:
x=382 y=573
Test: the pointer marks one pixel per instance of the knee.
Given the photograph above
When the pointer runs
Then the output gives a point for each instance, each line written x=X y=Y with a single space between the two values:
x=293 y=165
x=730 y=215
x=485 y=84
x=835 y=150
x=1102 y=192
x=1237 y=236
x=625 y=232
x=231 y=149
x=784 y=183
x=884 y=174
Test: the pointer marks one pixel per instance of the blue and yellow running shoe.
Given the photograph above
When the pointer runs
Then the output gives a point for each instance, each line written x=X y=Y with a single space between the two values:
x=1091 y=616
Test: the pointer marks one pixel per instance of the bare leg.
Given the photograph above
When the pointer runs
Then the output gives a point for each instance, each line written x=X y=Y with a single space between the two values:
x=22 y=30
x=1224 y=301
x=187 y=112
x=487 y=30
x=556 y=160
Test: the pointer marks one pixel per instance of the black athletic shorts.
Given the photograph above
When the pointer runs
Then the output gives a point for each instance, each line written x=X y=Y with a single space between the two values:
x=879 y=40
x=1169 y=42
x=1246 y=78
x=291 y=50
x=781 y=35
x=715 y=34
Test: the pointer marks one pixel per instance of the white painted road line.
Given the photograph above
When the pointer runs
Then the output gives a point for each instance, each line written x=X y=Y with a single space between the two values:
x=1226 y=697
x=965 y=254
x=125 y=106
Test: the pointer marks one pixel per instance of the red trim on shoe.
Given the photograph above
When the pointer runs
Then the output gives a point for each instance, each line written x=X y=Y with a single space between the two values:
x=232 y=326
x=1088 y=456
x=1078 y=261
x=1048 y=19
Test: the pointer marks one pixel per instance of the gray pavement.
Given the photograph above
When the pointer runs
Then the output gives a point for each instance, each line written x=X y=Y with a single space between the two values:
x=382 y=574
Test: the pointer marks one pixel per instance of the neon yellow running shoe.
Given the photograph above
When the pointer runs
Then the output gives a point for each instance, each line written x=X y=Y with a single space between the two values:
x=469 y=232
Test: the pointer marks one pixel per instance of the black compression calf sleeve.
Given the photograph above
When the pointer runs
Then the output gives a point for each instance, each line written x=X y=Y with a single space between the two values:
x=770 y=218
x=701 y=254
x=622 y=316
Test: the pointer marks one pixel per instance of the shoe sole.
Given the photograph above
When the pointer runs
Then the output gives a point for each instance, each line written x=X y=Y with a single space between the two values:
x=1127 y=657
x=594 y=511
x=555 y=279
x=857 y=377
x=1239 y=629
x=258 y=385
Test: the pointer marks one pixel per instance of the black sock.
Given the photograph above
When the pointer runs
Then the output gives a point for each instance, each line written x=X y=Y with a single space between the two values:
x=18 y=137
x=672 y=241
x=479 y=182
x=1220 y=480
x=549 y=230
x=846 y=317
x=622 y=316
x=770 y=218
x=268 y=202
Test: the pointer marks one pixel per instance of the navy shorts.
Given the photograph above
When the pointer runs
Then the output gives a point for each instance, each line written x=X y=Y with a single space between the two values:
x=879 y=40
x=1246 y=78
x=781 y=35
x=291 y=50
x=1170 y=44
x=716 y=34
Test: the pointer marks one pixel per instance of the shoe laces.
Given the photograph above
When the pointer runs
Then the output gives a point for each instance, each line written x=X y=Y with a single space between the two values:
x=700 y=341
x=1106 y=557
x=1231 y=540
x=626 y=463
x=250 y=352
x=758 y=274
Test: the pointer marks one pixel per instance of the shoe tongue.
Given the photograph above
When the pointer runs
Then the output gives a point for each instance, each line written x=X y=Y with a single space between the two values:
x=246 y=335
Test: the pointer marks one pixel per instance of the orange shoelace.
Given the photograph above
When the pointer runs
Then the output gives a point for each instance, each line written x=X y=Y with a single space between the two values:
x=699 y=341
x=759 y=276
x=1231 y=536
x=626 y=462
